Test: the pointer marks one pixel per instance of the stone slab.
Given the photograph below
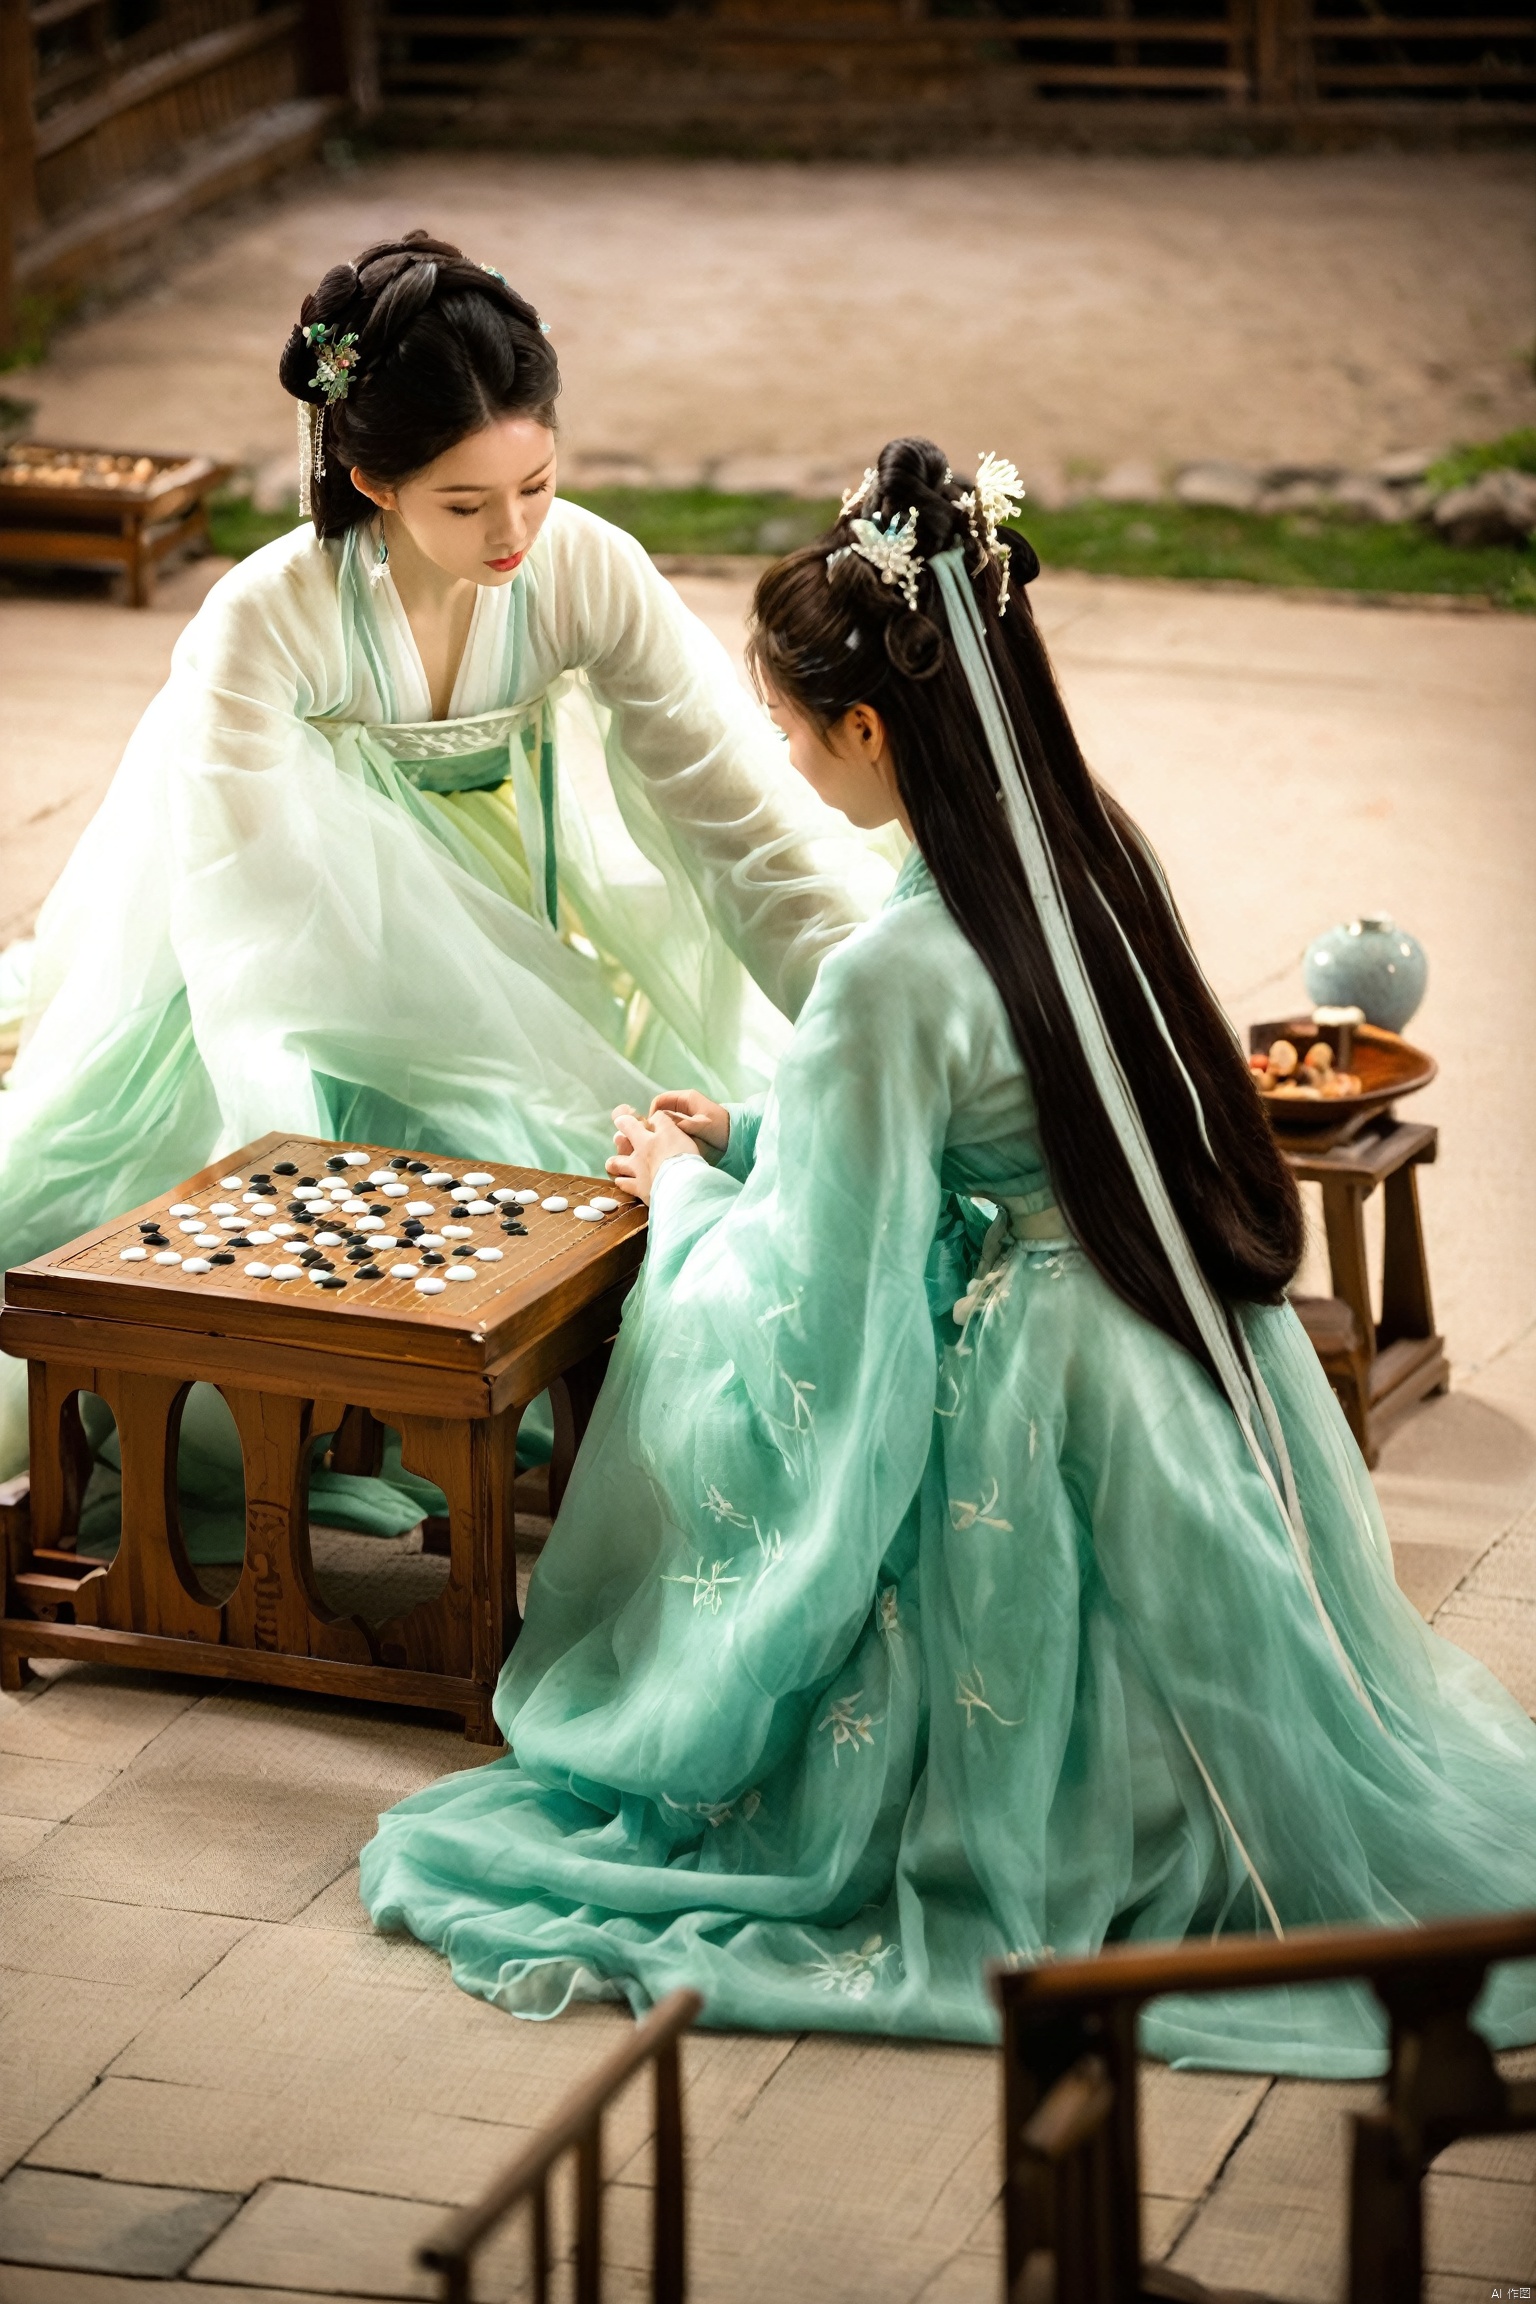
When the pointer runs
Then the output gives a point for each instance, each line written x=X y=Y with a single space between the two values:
x=104 y=1719
x=19 y=1837
x=76 y=2221
x=1190 y=2122
x=1276 y=2220
x=34 y=2284
x=1430 y=1572
x=1500 y=1633
x=56 y=2034
x=1480 y=2228
x=336 y=2242
x=119 y=1944
x=51 y=1789
x=338 y=1906
x=246 y=1805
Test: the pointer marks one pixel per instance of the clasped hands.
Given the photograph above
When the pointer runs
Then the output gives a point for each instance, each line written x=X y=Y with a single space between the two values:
x=679 y=1124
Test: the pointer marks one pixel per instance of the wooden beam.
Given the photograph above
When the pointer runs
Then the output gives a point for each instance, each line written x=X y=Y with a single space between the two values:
x=18 y=141
x=670 y=31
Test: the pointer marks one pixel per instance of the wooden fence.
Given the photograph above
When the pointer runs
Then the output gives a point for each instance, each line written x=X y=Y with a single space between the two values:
x=600 y=71
x=117 y=117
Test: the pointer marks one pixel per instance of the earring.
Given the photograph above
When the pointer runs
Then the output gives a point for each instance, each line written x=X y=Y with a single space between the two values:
x=380 y=558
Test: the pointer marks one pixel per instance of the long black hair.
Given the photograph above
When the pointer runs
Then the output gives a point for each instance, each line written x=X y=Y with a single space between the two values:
x=443 y=348
x=827 y=640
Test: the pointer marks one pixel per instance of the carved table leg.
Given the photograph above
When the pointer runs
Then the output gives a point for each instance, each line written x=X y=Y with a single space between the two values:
x=150 y=1585
x=470 y=1626
x=277 y=1603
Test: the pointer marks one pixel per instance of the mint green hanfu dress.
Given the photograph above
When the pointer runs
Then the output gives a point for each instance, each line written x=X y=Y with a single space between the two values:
x=304 y=904
x=915 y=1604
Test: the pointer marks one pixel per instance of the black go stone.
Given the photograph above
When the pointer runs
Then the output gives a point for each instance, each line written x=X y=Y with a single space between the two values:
x=413 y=1228
x=333 y=1280
x=240 y=1241
x=153 y=1226
x=416 y=1167
x=430 y=1256
x=336 y=1163
x=399 y=1161
x=461 y=1248
x=281 y=1168
x=221 y=1256
x=311 y=1256
x=155 y=1240
x=358 y=1256
x=378 y=1207
x=369 y=1272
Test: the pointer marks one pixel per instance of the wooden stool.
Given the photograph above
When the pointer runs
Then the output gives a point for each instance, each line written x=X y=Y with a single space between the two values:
x=1378 y=1368
x=451 y=1371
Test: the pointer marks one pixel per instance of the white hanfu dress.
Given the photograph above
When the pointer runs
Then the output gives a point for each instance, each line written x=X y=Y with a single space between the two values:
x=304 y=904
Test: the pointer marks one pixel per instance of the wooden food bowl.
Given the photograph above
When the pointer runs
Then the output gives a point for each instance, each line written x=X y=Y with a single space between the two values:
x=1385 y=1064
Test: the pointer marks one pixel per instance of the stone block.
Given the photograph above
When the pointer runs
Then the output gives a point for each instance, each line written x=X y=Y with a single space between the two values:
x=336 y=2243
x=77 y=2221
x=1189 y=2123
x=1226 y=487
x=1480 y=2228
x=1276 y=2220
x=1507 y=1570
x=120 y=1944
x=339 y=1906
x=104 y=1719
x=19 y=1837
x=56 y=2035
x=50 y=1789
x=1499 y=1633
x=247 y=1804
x=1429 y=1573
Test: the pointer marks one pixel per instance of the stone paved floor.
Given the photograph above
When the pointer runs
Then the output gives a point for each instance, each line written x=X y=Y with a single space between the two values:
x=218 y=2084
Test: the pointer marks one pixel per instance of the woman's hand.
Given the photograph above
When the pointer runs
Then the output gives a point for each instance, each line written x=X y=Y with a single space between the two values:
x=706 y=1123
x=644 y=1148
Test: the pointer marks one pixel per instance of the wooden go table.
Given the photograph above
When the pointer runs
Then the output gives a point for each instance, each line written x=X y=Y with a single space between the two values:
x=451 y=1368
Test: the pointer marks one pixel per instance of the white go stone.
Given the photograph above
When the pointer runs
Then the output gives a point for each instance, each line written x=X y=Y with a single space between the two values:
x=355 y=1159
x=183 y=1208
x=394 y=1191
x=231 y=1223
x=132 y=1255
x=257 y=1271
x=280 y=1232
x=190 y=1224
x=480 y=1208
x=307 y=1192
x=430 y=1285
x=503 y=1192
x=222 y=1208
x=604 y=1206
x=458 y=1231
x=420 y=1207
x=382 y=1176
x=327 y=1239
x=437 y=1180
x=555 y=1204
x=462 y=1192
x=197 y=1264
x=477 y=1176
x=430 y=1239
x=381 y=1242
x=264 y=1208
x=287 y=1271
x=355 y=1207
x=265 y=1239
x=167 y=1256
x=404 y=1271
x=209 y=1240
x=487 y=1255
x=525 y=1199
x=458 y=1272
x=588 y=1215
x=369 y=1223
x=230 y=1183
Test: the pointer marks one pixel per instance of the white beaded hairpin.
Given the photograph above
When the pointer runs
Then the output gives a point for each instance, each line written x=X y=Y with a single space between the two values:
x=892 y=550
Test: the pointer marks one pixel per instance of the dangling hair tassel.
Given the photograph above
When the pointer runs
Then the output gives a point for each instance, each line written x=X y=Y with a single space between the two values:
x=311 y=455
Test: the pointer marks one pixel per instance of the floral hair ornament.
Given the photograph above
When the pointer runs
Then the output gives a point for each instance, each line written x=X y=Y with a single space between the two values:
x=891 y=551
x=996 y=496
x=335 y=360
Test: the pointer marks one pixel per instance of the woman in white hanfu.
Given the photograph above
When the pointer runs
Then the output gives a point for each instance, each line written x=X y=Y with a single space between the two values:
x=344 y=882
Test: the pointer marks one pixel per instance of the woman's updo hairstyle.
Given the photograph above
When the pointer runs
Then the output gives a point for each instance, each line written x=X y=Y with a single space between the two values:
x=444 y=347
x=861 y=629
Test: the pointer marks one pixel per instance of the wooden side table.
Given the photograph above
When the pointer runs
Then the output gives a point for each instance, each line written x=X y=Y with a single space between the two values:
x=1379 y=1368
x=128 y=518
x=451 y=1369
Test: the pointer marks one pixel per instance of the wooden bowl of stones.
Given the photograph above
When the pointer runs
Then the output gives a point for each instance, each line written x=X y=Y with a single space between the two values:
x=1323 y=1076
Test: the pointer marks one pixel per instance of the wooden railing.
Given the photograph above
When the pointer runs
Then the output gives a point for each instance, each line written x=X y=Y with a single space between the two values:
x=1071 y=2132
x=1305 y=55
x=112 y=127
x=578 y=2127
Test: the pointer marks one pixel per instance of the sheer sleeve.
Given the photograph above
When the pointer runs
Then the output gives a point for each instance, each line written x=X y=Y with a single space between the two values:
x=774 y=1383
x=696 y=767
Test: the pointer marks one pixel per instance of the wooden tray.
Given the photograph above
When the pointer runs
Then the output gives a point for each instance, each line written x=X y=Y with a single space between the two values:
x=1386 y=1064
x=97 y=507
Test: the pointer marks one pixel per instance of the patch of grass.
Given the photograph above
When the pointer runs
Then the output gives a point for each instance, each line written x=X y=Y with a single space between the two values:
x=236 y=527
x=1514 y=451
x=1302 y=550
x=39 y=312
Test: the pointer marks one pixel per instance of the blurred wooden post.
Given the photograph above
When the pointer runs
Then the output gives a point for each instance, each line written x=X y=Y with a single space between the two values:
x=18 y=168
x=341 y=52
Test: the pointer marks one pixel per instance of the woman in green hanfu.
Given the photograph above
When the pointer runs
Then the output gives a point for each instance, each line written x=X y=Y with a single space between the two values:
x=451 y=828
x=967 y=1559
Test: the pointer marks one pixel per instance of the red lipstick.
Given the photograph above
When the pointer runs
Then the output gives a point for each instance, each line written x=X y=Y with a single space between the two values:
x=501 y=566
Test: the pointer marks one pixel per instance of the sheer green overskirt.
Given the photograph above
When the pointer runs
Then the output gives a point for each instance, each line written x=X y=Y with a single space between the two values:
x=872 y=1645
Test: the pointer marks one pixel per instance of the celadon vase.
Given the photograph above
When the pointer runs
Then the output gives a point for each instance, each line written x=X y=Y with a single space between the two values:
x=1369 y=963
